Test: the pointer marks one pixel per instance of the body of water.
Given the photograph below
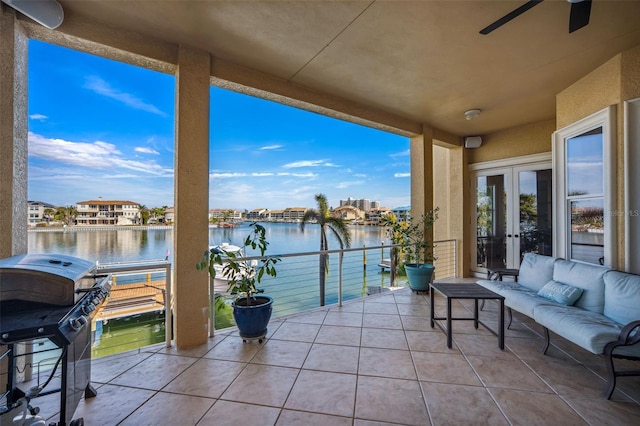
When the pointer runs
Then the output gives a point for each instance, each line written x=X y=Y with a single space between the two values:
x=295 y=289
x=133 y=244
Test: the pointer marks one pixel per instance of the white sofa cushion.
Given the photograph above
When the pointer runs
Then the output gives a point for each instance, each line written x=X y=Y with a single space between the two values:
x=516 y=297
x=587 y=329
x=590 y=278
x=622 y=297
x=535 y=271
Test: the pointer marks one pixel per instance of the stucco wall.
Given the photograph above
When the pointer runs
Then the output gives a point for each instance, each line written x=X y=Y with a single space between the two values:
x=630 y=68
x=515 y=142
x=612 y=83
x=441 y=191
x=598 y=89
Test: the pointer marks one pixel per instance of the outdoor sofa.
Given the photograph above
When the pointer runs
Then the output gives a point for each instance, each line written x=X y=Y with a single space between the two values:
x=596 y=308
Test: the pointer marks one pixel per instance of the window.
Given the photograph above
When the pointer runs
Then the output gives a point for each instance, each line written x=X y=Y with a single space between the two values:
x=585 y=190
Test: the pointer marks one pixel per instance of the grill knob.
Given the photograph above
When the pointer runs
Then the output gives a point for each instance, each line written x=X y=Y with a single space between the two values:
x=87 y=308
x=77 y=323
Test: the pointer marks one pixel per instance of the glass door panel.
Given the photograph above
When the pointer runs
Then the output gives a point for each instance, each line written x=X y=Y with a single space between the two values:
x=535 y=193
x=513 y=215
x=491 y=221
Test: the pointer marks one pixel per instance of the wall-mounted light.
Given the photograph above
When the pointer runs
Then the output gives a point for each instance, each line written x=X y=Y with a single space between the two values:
x=48 y=13
x=471 y=114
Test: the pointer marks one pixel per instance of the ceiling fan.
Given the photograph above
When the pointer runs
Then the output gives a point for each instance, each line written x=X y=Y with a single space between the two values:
x=578 y=18
x=45 y=12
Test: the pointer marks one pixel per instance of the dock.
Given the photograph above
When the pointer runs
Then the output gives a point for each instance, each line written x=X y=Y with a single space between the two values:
x=132 y=299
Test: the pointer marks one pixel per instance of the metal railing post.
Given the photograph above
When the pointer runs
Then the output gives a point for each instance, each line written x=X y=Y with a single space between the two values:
x=340 y=257
x=168 y=307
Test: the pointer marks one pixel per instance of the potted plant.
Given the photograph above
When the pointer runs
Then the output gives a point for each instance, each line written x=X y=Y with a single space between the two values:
x=250 y=311
x=413 y=249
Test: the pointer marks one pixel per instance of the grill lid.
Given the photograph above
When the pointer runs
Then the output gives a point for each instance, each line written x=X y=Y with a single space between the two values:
x=44 y=278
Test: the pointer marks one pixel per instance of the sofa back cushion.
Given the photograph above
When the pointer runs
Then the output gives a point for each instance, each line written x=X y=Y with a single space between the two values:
x=535 y=271
x=621 y=297
x=590 y=278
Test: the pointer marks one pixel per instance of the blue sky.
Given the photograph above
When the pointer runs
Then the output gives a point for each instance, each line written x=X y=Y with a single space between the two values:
x=99 y=128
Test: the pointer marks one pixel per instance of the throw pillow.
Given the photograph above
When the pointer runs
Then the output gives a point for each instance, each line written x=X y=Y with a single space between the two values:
x=564 y=294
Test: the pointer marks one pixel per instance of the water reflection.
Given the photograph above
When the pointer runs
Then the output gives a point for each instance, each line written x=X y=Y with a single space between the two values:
x=134 y=244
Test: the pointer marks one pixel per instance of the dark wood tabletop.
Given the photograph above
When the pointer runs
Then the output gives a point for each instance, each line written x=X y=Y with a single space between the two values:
x=465 y=291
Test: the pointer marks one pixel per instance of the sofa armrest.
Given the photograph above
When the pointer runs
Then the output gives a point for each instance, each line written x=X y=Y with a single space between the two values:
x=627 y=337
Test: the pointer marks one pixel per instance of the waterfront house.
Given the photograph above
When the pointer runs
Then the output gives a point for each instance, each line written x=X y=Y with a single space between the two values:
x=486 y=114
x=257 y=214
x=38 y=212
x=107 y=212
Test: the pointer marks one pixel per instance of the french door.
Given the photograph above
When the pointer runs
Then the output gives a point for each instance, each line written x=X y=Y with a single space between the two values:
x=513 y=213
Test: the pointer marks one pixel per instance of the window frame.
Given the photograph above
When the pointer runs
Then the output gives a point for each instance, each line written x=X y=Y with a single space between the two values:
x=605 y=118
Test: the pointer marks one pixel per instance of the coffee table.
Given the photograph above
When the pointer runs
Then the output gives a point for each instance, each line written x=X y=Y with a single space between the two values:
x=475 y=292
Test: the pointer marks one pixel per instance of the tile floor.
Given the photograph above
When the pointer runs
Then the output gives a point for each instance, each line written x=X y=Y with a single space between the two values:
x=374 y=361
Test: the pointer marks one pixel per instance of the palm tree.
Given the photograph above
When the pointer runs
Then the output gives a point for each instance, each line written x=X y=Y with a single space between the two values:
x=337 y=226
x=144 y=213
x=48 y=214
x=66 y=215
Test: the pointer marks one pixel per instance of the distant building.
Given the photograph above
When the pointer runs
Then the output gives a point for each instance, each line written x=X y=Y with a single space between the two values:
x=294 y=214
x=402 y=213
x=348 y=213
x=169 y=215
x=258 y=214
x=362 y=203
x=37 y=212
x=225 y=214
x=276 y=215
x=107 y=212
x=376 y=214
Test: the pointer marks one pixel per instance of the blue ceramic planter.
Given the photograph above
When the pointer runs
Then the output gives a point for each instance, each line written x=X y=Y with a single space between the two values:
x=252 y=320
x=419 y=275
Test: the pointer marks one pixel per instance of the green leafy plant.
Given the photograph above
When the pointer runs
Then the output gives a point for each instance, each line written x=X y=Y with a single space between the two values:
x=413 y=242
x=243 y=276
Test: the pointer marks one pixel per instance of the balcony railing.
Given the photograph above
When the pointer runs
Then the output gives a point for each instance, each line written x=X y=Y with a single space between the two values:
x=137 y=313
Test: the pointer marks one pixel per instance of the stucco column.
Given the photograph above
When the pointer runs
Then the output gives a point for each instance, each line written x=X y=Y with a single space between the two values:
x=191 y=199
x=459 y=205
x=13 y=136
x=421 y=147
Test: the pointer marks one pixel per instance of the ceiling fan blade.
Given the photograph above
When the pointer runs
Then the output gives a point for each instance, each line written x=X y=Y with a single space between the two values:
x=509 y=16
x=580 y=13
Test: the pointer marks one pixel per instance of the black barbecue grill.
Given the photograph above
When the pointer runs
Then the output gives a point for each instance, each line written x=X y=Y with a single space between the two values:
x=54 y=297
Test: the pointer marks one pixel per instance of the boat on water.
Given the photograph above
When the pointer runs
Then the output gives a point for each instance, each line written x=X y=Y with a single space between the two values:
x=222 y=277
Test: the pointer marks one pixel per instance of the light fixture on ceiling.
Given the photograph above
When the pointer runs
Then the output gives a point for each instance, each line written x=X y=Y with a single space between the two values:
x=48 y=13
x=471 y=114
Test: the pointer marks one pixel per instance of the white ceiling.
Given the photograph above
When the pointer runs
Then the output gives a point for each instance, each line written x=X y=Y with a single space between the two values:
x=423 y=61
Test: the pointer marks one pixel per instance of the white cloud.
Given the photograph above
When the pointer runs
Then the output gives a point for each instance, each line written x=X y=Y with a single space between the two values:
x=256 y=174
x=343 y=185
x=144 y=150
x=400 y=154
x=304 y=163
x=270 y=147
x=101 y=87
x=93 y=155
x=39 y=117
x=401 y=175
x=223 y=175
x=305 y=175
